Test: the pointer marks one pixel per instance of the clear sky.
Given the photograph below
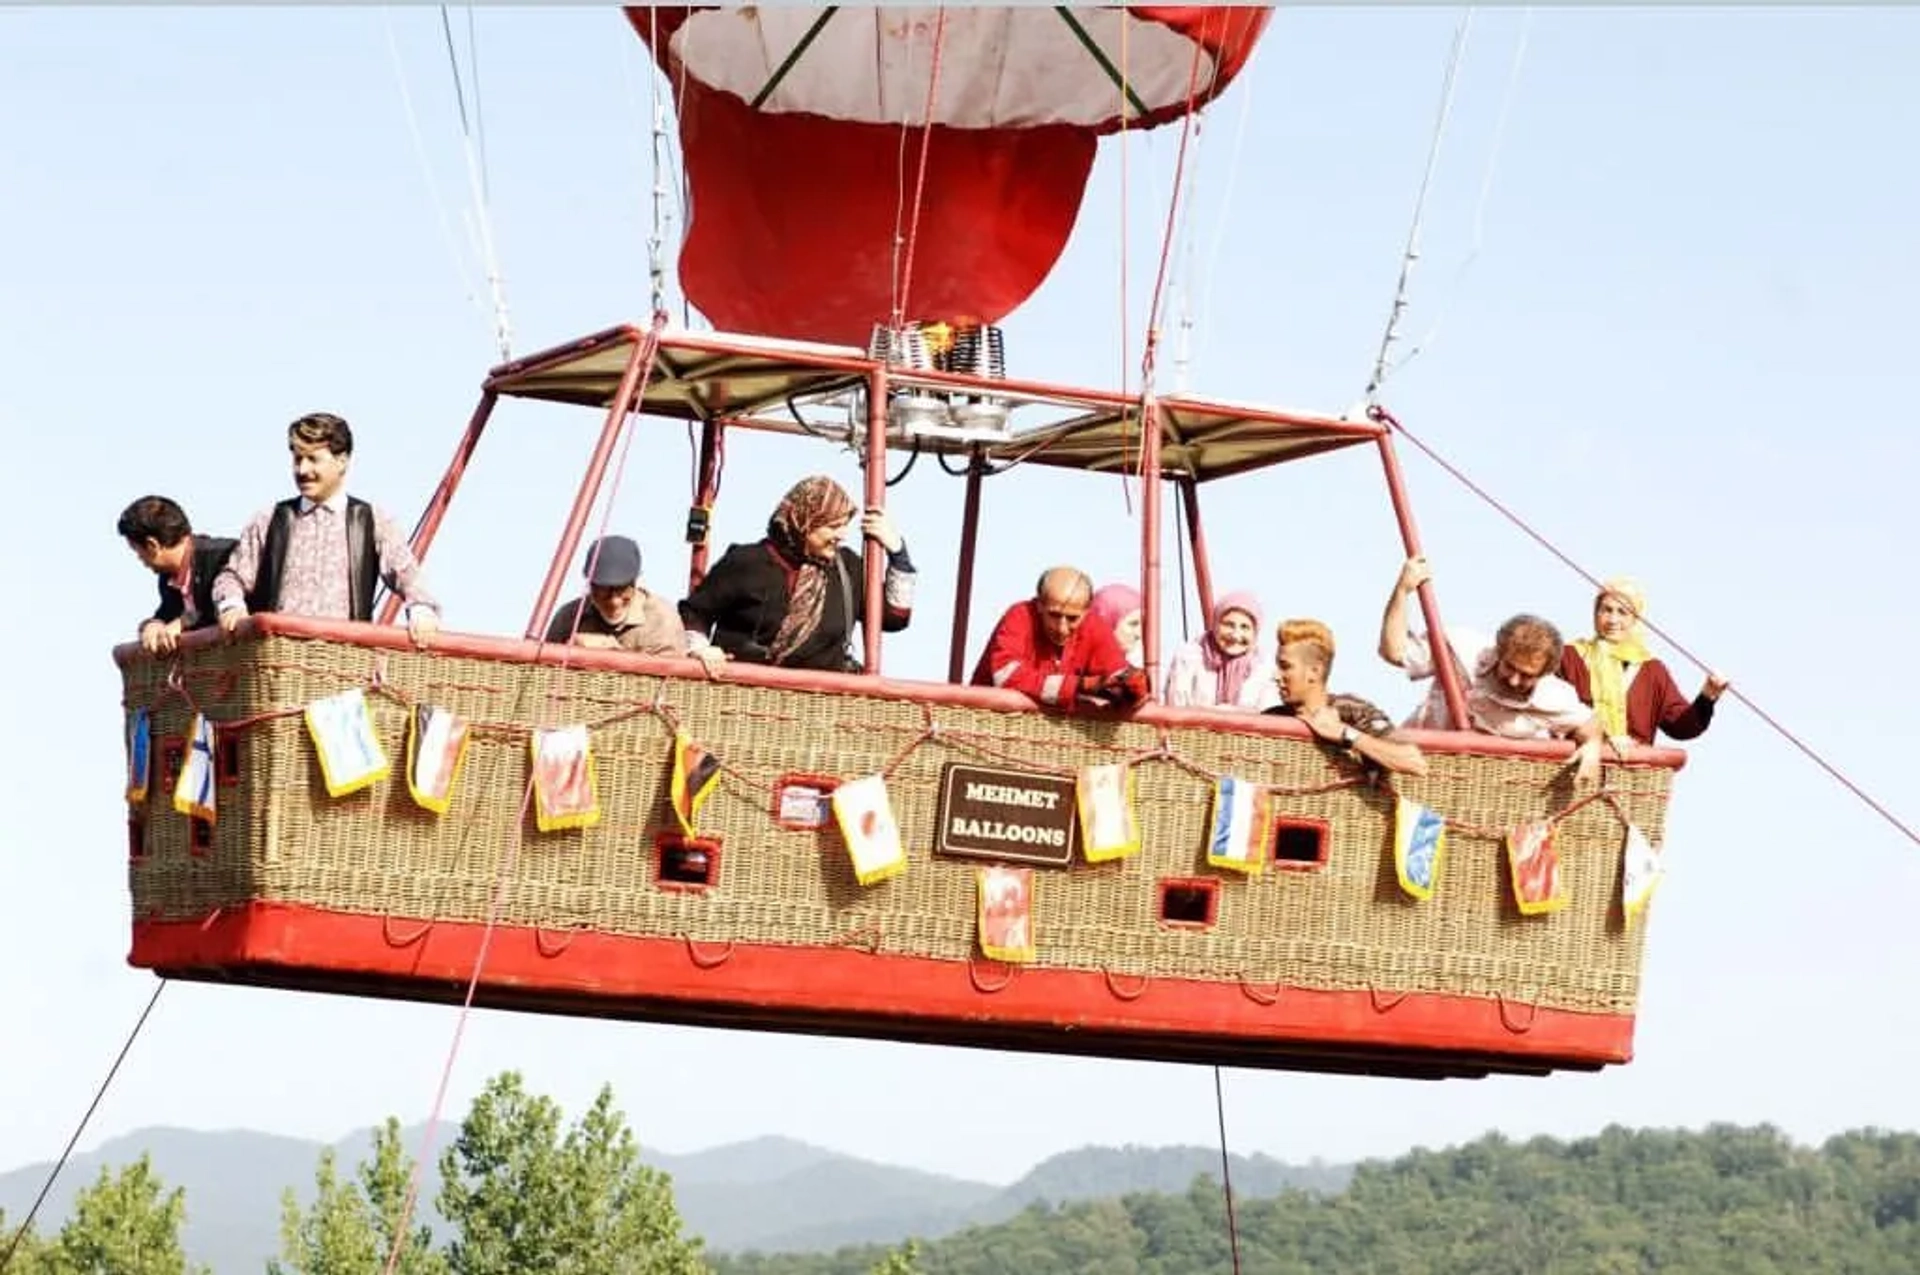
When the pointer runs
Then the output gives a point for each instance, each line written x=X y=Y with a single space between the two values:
x=1683 y=349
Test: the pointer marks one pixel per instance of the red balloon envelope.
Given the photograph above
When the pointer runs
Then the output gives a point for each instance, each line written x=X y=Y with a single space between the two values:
x=801 y=131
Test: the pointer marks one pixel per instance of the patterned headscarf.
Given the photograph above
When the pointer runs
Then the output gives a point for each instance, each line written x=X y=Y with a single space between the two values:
x=809 y=505
x=1607 y=661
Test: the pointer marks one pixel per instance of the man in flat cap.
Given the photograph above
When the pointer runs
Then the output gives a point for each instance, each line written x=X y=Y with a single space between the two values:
x=616 y=611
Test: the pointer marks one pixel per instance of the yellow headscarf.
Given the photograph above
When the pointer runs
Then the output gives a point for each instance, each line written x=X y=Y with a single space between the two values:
x=1606 y=676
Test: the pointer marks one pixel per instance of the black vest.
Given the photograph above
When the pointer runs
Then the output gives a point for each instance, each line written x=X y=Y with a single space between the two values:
x=209 y=556
x=363 y=558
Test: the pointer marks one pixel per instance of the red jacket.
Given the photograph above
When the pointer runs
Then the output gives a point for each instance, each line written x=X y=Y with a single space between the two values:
x=1652 y=700
x=1020 y=658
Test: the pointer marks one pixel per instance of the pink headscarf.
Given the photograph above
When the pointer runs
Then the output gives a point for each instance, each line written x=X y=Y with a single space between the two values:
x=1232 y=670
x=1114 y=603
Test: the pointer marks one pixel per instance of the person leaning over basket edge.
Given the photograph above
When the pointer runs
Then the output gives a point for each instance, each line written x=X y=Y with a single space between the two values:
x=184 y=564
x=794 y=597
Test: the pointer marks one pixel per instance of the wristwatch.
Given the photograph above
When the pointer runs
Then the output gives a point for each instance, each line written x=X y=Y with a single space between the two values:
x=1348 y=736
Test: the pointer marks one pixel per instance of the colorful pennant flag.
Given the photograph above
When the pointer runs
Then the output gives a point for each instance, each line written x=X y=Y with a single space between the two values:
x=1534 y=864
x=1641 y=874
x=436 y=747
x=139 y=756
x=193 y=791
x=1419 y=847
x=695 y=771
x=1109 y=829
x=1242 y=817
x=865 y=814
x=564 y=792
x=350 y=754
x=1006 y=913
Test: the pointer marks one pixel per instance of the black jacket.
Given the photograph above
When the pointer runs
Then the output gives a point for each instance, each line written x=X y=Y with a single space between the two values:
x=742 y=600
x=209 y=556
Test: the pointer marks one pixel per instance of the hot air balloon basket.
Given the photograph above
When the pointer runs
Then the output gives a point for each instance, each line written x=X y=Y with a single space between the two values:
x=1322 y=909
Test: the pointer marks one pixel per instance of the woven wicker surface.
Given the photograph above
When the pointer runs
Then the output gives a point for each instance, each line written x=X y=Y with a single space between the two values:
x=1344 y=926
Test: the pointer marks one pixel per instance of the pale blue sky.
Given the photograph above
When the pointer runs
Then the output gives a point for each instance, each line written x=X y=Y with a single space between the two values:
x=1683 y=351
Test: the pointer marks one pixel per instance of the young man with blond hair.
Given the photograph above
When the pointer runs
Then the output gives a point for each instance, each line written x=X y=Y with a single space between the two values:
x=1305 y=657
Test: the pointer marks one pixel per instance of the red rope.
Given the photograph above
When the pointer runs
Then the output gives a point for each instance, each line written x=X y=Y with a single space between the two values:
x=920 y=178
x=1383 y=416
x=651 y=348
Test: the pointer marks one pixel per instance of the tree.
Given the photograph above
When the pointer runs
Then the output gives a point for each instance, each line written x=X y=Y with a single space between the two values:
x=901 y=1261
x=22 y=1254
x=126 y=1223
x=349 y=1227
x=523 y=1197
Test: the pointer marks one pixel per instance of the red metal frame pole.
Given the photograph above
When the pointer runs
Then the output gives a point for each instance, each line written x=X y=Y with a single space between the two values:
x=1197 y=537
x=963 y=578
x=589 y=492
x=876 y=498
x=1443 y=666
x=436 y=509
x=708 y=491
x=1150 y=538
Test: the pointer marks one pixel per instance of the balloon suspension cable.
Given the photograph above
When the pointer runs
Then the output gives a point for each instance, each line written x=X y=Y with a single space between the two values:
x=480 y=219
x=454 y=252
x=657 y=241
x=1494 y=148
x=648 y=352
x=1384 y=417
x=1246 y=82
x=1412 y=253
x=903 y=277
x=1226 y=1167
x=26 y=1223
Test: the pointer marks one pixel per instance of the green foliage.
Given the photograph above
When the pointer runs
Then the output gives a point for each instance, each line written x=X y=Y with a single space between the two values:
x=523 y=1196
x=349 y=1227
x=126 y=1223
x=901 y=1261
x=27 y=1252
x=1721 y=1202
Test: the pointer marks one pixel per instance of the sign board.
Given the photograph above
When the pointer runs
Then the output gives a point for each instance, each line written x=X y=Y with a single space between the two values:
x=1008 y=816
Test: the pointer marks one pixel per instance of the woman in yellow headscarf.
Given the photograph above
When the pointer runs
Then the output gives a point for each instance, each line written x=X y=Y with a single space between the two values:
x=1629 y=688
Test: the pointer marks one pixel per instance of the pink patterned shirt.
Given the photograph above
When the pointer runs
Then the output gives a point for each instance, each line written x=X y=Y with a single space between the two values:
x=314 y=580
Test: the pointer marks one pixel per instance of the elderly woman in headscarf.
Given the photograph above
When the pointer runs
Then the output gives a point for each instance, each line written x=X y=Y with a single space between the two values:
x=1119 y=605
x=794 y=597
x=1222 y=667
x=1630 y=690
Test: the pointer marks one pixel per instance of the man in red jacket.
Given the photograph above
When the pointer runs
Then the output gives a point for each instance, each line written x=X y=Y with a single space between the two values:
x=1051 y=648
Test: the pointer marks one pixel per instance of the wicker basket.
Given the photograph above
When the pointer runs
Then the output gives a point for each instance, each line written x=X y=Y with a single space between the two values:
x=1340 y=925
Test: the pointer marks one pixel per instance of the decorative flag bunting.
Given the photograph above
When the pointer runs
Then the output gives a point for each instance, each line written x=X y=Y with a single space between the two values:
x=695 y=771
x=865 y=814
x=564 y=792
x=1534 y=865
x=1237 y=834
x=1419 y=847
x=350 y=754
x=139 y=756
x=436 y=747
x=1006 y=913
x=193 y=791
x=1109 y=828
x=1640 y=875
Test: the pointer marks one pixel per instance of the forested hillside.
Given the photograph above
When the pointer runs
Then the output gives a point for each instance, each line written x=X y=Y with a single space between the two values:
x=1722 y=1202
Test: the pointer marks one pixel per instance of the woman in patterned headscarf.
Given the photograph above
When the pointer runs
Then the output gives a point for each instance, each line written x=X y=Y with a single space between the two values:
x=793 y=598
x=1223 y=667
x=1630 y=689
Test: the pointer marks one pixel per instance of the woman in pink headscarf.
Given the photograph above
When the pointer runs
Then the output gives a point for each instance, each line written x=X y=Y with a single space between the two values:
x=1222 y=667
x=1119 y=606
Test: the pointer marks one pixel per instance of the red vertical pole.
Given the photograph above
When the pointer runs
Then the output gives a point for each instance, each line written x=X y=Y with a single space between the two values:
x=876 y=498
x=963 y=578
x=637 y=363
x=708 y=491
x=1197 y=537
x=1150 y=536
x=436 y=509
x=1443 y=665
